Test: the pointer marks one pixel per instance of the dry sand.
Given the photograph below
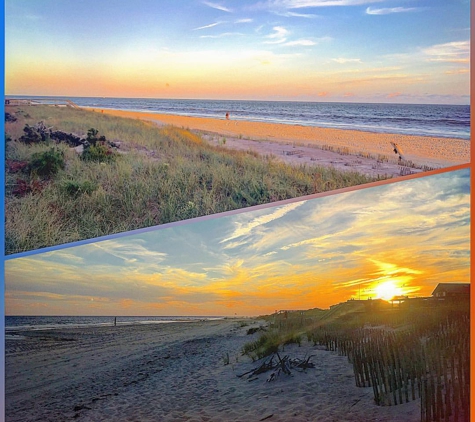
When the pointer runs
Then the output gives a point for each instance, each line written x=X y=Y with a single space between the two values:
x=297 y=144
x=177 y=372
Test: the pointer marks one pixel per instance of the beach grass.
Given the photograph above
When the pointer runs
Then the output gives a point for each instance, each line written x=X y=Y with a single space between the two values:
x=405 y=353
x=158 y=175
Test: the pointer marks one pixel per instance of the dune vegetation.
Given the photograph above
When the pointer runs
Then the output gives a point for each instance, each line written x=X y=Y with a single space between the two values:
x=405 y=352
x=129 y=174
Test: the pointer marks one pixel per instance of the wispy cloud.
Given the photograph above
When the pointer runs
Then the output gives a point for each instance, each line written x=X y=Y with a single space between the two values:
x=296 y=15
x=217 y=6
x=451 y=52
x=457 y=71
x=301 y=42
x=211 y=25
x=129 y=252
x=244 y=20
x=223 y=35
x=390 y=10
x=300 y=4
x=279 y=35
x=245 y=229
x=342 y=60
x=393 y=95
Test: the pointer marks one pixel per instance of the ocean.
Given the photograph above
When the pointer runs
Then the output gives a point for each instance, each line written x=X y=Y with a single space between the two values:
x=451 y=121
x=14 y=325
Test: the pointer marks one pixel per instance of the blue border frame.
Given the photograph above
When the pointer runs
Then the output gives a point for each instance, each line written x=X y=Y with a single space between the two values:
x=2 y=222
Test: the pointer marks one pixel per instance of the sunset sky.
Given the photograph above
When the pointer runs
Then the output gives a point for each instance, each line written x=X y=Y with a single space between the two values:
x=411 y=235
x=405 y=51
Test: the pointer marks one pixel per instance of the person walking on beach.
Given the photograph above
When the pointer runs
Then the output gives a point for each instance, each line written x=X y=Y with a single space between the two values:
x=227 y=116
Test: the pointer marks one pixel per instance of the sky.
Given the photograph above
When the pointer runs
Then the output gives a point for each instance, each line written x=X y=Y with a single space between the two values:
x=396 y=51
x=398 y=238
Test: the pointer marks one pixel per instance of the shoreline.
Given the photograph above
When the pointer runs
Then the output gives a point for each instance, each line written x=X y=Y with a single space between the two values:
x=420 y=150
x=164 y=372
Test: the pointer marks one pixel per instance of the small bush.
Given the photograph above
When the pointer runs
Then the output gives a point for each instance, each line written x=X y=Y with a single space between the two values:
x=16 y=166
x=97 y=148
x=99 y=152
x=23 y=187
x=92 y=137
x=74 y=188
x=47 y=163
x=10 y=117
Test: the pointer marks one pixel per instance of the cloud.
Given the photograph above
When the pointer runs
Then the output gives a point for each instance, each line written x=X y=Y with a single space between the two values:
x=296 y=15
x=246 y=229
x=279 y=36
x=342 y=60
x=451 y=52
x=301 y=42
x=389 y=10
x=393 y=95
x=245 y=20
x=211 y=25
x=224 y=34
x=130 y=252
x=299 y=4
x=217 y=6
x=399 y=78
x=457 y=71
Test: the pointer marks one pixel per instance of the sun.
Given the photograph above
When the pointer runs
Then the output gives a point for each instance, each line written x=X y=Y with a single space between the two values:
x=387 y=290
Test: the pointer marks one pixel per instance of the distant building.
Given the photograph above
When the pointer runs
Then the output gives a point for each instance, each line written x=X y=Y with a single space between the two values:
x=452 y=291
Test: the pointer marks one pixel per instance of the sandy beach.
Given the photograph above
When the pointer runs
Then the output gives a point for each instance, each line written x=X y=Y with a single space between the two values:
x=177 y=372
x=366 y=152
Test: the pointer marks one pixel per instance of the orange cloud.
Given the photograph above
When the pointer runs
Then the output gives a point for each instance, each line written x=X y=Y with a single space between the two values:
x=393 y=95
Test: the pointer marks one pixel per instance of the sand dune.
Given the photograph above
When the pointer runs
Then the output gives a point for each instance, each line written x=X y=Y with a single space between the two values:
x=177 y=372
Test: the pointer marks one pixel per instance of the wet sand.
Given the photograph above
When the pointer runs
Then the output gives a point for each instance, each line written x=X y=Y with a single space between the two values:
x=177 y=372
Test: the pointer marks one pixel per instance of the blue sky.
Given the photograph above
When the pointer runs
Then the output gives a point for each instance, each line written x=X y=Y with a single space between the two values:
x=410 y=235
x=407 y=51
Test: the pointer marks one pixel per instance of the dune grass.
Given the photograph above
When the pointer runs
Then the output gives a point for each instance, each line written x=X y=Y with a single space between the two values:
x=159 y=175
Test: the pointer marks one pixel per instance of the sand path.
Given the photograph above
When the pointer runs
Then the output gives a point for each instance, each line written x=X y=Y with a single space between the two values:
x=176 y=372
x=421 y=150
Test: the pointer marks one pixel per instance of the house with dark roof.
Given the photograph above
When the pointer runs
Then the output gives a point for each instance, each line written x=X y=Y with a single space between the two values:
x=452 y=291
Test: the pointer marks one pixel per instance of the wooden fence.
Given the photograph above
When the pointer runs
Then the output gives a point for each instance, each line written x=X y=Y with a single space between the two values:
x=431 y=363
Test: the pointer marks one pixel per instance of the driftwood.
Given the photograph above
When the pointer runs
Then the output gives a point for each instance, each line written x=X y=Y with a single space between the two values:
x=285 y=365
x=40 y=133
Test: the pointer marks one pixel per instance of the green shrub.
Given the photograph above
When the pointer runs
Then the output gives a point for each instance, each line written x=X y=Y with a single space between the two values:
x=74 y=188
x=98 y=152
x=92 y=137
x=47 y=163
x=97 y=148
